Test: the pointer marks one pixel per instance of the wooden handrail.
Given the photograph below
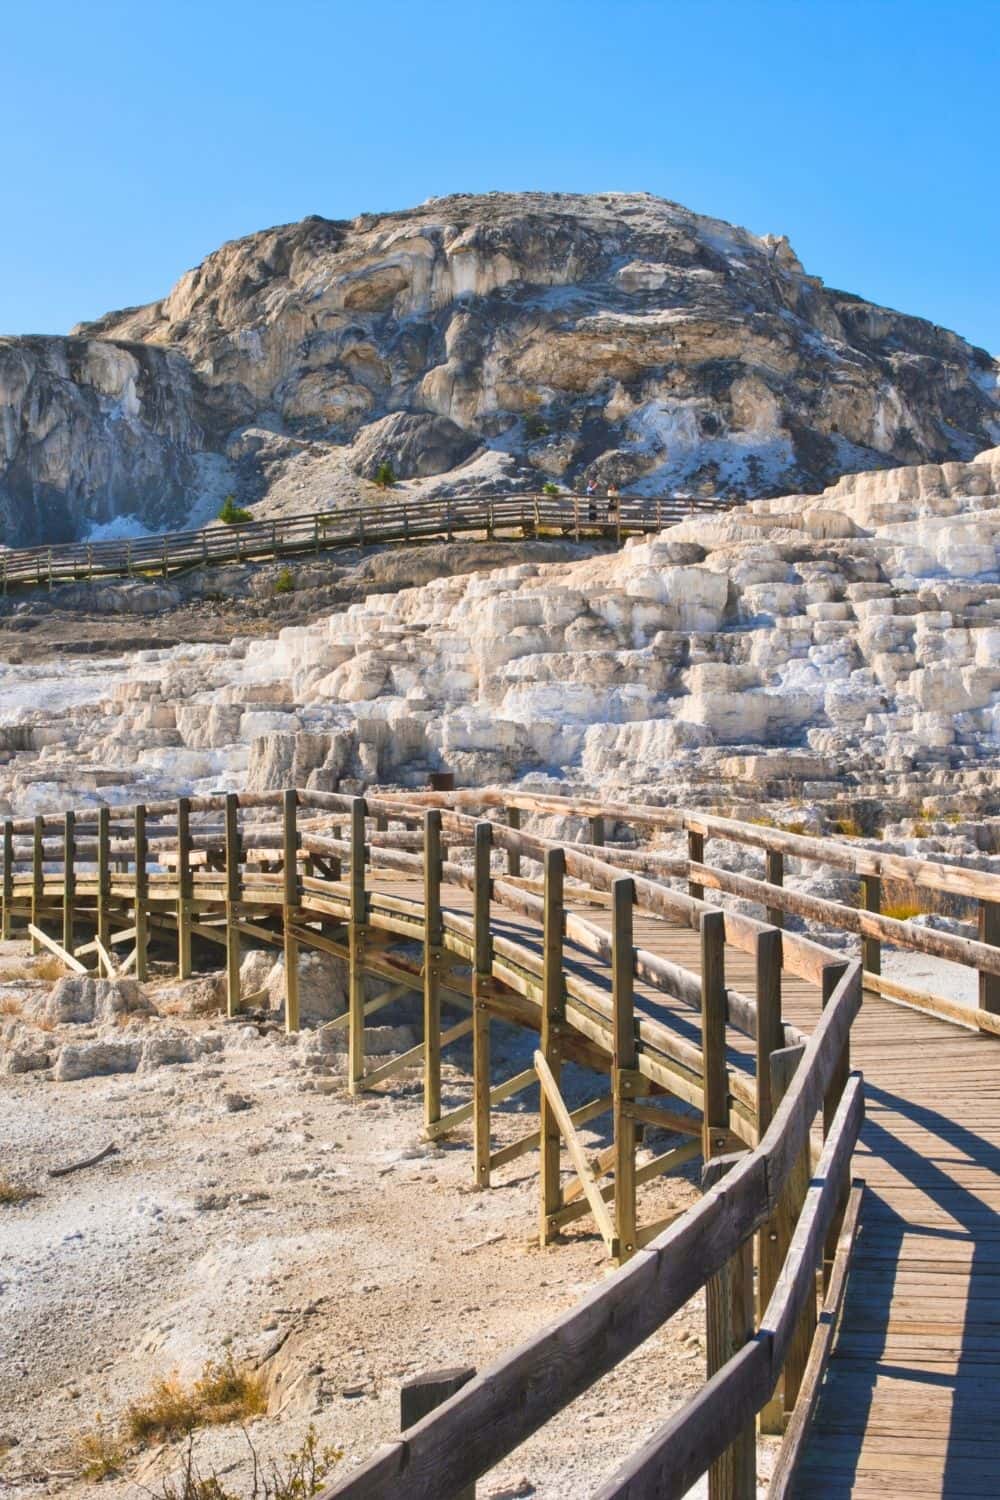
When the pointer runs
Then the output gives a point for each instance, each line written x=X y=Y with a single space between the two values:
x=981 y=954
x=385 y=520
x=307 y=859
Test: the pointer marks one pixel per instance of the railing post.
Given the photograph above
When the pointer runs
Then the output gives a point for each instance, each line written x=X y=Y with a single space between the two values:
x=421 y=1394
x=729 y=1295
x=482 y=975
x=361 y=523
x=141 y=894
x=233 y=892
x=832 y=975
x=8 y=877
x=774 y=874
x=597 y=831
x=623 y=1062
x=783 y=1066
x=184 y=888
x=37 y=878
x=433 y=954
x=290 y=904
x=550 y=1041
x=989 y=932
x=696 y=855
x=103 y=876
x=447 y=508
x=576 y=517
x=770 y=1039
x=514 y=855
x=871 y=947
x=715 y=1085
x=356 y=949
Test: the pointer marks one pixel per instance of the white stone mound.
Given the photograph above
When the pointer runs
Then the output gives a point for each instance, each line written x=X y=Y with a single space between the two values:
x=861 y=625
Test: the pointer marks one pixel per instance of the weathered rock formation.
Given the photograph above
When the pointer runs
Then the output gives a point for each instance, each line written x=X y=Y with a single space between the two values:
x=829 y=638
x=617 y=337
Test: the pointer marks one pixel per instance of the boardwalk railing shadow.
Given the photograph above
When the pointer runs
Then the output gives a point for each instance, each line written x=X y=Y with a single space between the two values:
x=902 y=1341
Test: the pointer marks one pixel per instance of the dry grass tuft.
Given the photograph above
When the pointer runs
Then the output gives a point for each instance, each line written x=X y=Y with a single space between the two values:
x=901 y=911
x=302 y=1475
x=222 y=1393
x=848 y=828
x=14 y=1193
x=99 y=1454
x=11 y=1006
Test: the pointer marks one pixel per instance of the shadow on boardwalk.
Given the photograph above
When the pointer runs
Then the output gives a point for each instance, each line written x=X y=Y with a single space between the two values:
x=909 y=1403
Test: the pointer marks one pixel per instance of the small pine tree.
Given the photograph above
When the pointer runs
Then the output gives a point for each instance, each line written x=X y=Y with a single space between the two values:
x=550 y=488
x=385 y=475
x=285 y=582
x=231 y=513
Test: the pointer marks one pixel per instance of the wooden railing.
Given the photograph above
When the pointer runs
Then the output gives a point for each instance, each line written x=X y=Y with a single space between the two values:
x=366 y=879
x=386 y=520
x=922 y=879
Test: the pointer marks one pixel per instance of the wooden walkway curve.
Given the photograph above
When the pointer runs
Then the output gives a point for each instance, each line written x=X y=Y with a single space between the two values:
x=857 y=1325
x=387 y=519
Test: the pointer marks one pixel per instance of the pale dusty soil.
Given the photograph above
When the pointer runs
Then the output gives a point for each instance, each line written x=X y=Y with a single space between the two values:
x=309 y=1215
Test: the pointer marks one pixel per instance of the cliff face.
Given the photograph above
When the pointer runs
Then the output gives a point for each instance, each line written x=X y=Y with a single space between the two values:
x=616 y=337
x=91 y=430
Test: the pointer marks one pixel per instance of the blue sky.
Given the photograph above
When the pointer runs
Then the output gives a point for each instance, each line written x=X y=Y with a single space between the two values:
x=137 y=138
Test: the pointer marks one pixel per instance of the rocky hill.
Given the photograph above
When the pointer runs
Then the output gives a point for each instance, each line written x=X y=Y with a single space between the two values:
x=479 y=342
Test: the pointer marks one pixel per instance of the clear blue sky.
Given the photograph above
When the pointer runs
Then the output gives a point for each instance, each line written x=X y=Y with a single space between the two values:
x=138 y=137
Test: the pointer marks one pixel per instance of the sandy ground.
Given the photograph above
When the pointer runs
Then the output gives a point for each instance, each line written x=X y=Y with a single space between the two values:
x=307 y=1220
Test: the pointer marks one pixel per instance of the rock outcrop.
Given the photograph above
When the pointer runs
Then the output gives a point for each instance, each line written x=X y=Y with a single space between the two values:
x=832 y=637
x=614 y=337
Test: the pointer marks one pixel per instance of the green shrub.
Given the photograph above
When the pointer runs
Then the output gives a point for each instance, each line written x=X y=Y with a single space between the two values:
x=550 y=488
x=385 y=475
x=231 y=513
x=285 y=582
x=534 y=427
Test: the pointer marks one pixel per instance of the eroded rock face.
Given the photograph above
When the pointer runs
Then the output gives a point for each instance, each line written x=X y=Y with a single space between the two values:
x=79 y=999
x=92 y=429
x=617 y=337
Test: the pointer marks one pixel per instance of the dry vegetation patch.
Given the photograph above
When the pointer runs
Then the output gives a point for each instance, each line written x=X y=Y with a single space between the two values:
x=223 y=1392
x=302 y=1474
x=13 y=1193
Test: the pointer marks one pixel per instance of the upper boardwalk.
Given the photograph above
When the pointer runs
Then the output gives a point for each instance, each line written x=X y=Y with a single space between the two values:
x=846 y=1124
x=387 y=519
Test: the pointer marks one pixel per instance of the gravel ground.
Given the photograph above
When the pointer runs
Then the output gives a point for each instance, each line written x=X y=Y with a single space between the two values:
x=253 y=1206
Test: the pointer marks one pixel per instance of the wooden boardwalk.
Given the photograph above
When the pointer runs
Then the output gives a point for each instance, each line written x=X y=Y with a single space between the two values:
x=734 y=1018
x=909 y=1403
x=391 y=518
